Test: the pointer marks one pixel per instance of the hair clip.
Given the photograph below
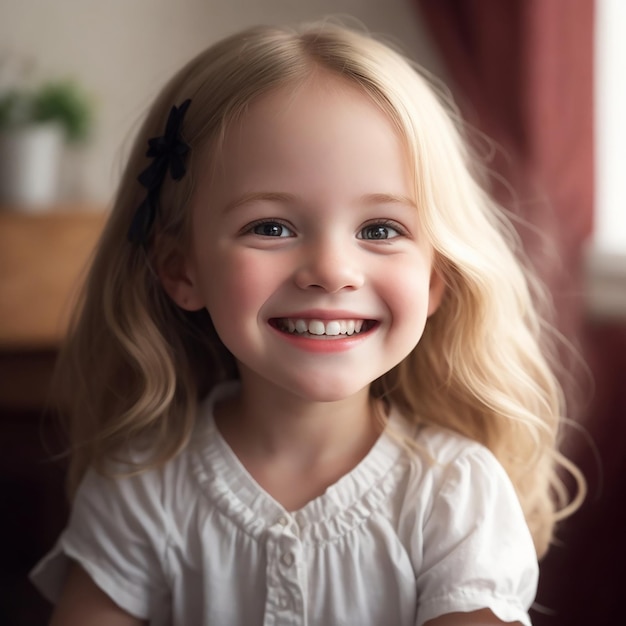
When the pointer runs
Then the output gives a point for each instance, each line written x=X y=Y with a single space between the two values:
x=168 y=152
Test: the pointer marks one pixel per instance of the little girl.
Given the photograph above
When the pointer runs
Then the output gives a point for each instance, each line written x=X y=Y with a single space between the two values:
x=305 y=383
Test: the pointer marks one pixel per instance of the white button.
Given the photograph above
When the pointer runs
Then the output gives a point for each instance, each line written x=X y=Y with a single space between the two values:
x=283 y=603
x=283 y=521
x=287 y=559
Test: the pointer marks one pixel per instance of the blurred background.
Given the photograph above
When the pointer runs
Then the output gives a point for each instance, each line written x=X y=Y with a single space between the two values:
x=546 y=79
x=121 y=53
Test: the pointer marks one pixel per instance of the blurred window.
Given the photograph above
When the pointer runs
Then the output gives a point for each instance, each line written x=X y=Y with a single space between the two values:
x=610 y=120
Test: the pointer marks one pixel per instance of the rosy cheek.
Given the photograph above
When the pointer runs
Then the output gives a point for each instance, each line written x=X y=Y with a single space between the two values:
x=409 y=290
x=242 y=282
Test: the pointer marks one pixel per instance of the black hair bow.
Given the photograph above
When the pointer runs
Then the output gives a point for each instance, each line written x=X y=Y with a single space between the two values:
x=168 y=152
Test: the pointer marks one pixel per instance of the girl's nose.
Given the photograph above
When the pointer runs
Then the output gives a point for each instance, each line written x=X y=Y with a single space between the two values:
x=331 y=266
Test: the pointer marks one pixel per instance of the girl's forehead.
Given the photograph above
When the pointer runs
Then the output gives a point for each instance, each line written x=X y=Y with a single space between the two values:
x=309 y=122
x=323 y=111
x=296 y=101
x=324 y=143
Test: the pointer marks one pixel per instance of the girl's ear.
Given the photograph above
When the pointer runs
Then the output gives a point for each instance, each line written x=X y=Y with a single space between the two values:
x=436 y=291
x=178 y=280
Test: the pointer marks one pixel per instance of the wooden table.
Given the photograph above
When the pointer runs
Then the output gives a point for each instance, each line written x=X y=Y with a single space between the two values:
x=43 y=258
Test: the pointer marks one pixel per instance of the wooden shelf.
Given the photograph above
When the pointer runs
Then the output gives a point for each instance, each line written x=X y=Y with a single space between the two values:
x=43 y=258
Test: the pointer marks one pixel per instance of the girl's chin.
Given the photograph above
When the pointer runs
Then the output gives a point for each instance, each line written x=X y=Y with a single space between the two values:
x=314 y=389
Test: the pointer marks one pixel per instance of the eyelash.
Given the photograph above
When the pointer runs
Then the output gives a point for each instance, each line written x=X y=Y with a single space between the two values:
x=387 y=224
x=267 y=222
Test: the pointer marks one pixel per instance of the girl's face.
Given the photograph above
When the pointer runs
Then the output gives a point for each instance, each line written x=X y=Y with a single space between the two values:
x=306 y=247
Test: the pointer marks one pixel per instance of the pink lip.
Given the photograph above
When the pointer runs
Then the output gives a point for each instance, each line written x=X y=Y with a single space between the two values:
x=320 y=345
x=323 y=314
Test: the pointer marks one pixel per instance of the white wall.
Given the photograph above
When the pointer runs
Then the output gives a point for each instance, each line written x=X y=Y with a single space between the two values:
x=122 y=51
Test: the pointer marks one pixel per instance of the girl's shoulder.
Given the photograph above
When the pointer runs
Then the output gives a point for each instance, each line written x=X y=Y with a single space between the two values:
x=439 y=462
x=434 y=445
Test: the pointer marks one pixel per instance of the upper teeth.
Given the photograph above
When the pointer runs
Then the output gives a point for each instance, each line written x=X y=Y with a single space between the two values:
x=319 y=327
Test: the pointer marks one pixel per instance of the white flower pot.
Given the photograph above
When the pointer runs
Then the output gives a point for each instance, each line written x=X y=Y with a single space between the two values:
x=29 y=166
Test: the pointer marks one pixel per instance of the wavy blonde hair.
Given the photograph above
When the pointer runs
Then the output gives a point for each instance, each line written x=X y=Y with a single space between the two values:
x=134 y=364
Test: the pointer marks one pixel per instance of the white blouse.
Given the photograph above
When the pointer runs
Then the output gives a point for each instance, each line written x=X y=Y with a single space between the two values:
x=399 y=540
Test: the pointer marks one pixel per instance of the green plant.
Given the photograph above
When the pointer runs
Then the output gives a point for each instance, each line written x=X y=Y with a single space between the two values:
x=63 y=101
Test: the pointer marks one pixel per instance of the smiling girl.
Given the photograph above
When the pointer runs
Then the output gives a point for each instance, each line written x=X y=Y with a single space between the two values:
x=304 y=385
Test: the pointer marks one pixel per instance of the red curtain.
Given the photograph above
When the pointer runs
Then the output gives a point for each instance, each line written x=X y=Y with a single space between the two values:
x=522 y=72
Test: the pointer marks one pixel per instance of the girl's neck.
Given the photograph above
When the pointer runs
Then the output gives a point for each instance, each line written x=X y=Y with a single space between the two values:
x=295 y=448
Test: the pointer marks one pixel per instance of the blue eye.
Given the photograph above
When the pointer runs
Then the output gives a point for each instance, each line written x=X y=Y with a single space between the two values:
x=271 y=229
x=378 y=232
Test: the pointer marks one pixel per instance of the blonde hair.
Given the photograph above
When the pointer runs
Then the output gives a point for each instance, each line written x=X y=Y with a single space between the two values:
x=135 y=364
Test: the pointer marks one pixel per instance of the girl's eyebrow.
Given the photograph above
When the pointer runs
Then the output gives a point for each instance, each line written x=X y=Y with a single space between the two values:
x=286 y=198
x=388 y=198
x=267 y=196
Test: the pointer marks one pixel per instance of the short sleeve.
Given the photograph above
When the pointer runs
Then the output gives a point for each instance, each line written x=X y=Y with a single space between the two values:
x=477 y=549
x=116 y=535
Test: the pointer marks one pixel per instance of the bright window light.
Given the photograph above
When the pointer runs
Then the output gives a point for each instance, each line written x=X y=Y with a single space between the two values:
x=610 y=131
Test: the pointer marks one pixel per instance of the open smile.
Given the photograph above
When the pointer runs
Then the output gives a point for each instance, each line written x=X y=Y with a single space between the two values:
x=322 y=328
